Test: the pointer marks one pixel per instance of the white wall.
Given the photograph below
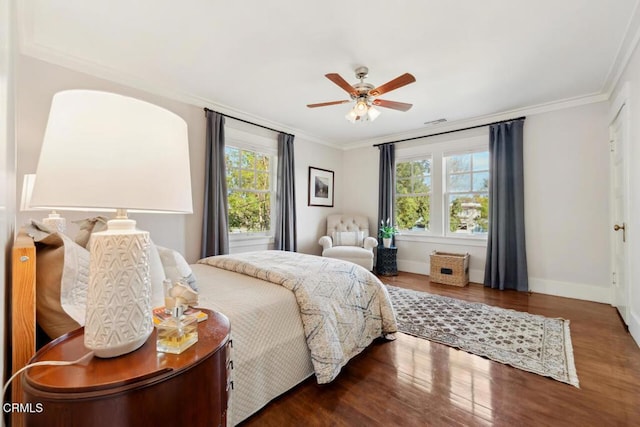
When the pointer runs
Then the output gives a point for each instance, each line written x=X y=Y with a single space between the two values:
x=631 y=77
x=38 y=81
x=566 y=204
x=7 y=163
x=360 y=184
x=312 y=220
x=566 y=159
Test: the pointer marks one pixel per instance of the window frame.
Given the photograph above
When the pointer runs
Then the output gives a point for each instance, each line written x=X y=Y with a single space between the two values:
x=247 y=141
x=438 y=218
x=446 y=193
x=428 y=158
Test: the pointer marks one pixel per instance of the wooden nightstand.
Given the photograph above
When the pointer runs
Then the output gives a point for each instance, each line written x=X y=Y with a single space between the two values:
x=144 y=387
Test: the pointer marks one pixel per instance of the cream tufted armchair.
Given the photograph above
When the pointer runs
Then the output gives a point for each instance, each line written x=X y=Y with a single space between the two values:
x=348 y=239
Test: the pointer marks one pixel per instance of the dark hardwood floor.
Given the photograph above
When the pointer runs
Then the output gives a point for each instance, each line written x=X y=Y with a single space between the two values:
x=413 y=382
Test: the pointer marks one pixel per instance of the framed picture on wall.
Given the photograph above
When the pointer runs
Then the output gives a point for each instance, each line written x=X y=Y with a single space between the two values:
x=320 y=187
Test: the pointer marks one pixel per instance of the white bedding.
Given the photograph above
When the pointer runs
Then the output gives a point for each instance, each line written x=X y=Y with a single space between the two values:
x=341 y=306
x=270 y=353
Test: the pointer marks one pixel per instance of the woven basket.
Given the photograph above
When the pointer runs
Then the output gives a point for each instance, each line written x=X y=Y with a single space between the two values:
x=449 y=269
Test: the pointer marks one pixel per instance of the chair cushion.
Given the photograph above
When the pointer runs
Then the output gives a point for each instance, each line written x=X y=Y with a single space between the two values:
x=348 y=252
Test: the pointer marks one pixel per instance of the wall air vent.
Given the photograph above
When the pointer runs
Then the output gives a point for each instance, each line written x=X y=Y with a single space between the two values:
x=435 y=122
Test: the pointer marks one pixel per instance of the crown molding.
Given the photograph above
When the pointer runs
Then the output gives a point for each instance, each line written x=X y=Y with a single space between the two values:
x=477 y=121
x=627 y=46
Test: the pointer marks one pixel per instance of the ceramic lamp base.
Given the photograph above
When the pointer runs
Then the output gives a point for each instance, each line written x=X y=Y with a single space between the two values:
x=55 y=222
x=119 y=317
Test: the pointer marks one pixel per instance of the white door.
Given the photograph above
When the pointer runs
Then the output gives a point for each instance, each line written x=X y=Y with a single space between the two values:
x=619 y=218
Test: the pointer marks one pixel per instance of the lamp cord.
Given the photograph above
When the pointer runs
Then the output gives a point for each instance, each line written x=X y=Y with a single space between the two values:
x=45 y=363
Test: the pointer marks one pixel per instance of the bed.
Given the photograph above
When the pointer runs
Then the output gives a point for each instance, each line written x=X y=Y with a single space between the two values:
x=276 y=331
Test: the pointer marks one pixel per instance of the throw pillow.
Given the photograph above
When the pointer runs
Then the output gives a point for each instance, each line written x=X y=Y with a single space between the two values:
x=348 y=238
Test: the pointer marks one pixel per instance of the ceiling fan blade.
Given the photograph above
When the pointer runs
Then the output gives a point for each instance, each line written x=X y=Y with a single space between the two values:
x=402 y=106
x=334 y=77
x=324 y=104
x=396 y=83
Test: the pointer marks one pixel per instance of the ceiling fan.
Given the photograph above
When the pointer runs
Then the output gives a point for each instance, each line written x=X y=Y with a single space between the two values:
x=365 y=95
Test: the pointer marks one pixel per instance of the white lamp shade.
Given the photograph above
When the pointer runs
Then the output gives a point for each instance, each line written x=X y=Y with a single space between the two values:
x=103 y=151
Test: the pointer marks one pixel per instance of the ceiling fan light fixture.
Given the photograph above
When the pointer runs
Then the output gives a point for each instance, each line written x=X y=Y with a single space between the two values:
x=351 y=116
x=366 y=95
x=361 y=107
x=373 y=113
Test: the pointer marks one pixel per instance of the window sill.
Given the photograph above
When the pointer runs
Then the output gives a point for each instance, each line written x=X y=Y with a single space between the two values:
x=241 y=240
x=480 y=241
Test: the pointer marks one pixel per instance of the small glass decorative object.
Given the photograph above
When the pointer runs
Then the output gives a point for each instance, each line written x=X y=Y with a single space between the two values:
x=177 y=332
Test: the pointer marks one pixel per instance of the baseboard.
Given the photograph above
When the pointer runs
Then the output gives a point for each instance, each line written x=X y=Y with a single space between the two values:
x=634 y=327
x=541 y=286
x=570 y=290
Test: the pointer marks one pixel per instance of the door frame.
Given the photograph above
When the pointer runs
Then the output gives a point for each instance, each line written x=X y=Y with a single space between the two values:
x=622 y=100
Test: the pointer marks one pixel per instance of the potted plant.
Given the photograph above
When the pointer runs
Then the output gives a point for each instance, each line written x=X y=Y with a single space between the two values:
x=387 y=232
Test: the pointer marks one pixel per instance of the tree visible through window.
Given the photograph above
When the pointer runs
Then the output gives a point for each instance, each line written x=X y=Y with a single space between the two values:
x=413 y=194
x=249 y=190
x=467 y=195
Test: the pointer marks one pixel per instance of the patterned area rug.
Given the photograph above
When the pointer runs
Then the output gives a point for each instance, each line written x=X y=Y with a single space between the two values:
x=525 y=341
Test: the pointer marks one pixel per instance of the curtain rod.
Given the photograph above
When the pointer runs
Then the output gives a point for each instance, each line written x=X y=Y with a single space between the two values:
x=246 y=121
x=451 y=131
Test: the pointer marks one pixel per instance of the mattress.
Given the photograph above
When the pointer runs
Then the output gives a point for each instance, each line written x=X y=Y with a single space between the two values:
x=270 y=354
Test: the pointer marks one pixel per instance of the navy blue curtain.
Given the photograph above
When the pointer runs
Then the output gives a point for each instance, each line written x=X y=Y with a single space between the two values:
x=506 y=264
x=285 y=238
x=215 y=225
x=386 y=184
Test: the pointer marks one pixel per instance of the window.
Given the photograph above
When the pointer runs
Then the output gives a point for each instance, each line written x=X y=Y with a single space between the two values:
x=467 y=192
x=413 y=194
x=250 y=189
x=442 y=189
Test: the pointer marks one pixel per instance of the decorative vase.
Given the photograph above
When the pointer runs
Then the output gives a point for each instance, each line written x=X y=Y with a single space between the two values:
x=386 y=241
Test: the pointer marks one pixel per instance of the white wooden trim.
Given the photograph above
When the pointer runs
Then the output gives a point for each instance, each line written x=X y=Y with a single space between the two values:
x=580 y=291
x=634 y=326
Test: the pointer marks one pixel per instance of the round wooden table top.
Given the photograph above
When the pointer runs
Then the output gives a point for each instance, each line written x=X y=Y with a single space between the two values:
x=114 y=375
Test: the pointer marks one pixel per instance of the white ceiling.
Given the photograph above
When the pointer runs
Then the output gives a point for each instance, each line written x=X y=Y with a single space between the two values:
x=265 y=60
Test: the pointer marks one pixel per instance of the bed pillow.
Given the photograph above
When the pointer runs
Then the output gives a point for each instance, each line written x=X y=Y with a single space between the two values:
x=157 y=276
x=176 y=267
x=62 y=278
x=348 y=238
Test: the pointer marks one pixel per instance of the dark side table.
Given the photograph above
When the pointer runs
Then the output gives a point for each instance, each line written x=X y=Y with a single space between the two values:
x=144 y=387
x=386 y=262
